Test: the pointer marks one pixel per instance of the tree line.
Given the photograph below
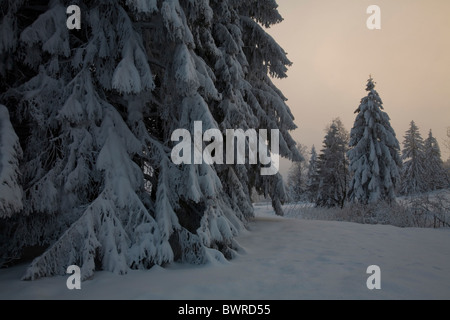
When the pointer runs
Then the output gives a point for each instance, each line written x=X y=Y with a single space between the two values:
x=368 y=165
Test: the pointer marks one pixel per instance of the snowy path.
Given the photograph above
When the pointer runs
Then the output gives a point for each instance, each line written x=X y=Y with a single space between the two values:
x=289 y=259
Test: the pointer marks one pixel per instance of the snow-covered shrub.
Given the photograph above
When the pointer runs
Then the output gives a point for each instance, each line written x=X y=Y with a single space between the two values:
x=430 y=210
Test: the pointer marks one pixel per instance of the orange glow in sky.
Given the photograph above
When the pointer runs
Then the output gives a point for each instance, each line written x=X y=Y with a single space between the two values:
x=333 y=53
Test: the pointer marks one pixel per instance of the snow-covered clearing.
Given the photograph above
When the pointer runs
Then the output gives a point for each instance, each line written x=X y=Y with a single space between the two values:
x=282 y=259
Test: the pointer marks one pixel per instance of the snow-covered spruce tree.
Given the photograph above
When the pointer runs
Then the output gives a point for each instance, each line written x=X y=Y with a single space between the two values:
x=85 y=200
x=95 y=110
x=414 y=178
x=374 y=154
x=312 y=185
x=297 y=177
x=332 y=167
x=437 y=176
x=11 y=193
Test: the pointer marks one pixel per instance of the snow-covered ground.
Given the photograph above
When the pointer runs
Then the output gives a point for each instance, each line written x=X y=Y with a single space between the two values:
x=281 y=259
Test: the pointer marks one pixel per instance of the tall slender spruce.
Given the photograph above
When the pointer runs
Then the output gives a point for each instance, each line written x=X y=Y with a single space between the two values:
x=414 y=176
x=312 y=185
x=437 y=175
x=332 y=168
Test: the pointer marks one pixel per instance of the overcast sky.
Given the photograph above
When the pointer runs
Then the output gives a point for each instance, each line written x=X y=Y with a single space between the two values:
x=333 y=53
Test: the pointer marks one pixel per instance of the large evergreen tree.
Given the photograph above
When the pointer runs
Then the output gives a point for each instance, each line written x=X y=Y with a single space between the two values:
x=94 y=111
x=414 y=175
x=332 y=167
x=436 y=174
x=374 y=153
